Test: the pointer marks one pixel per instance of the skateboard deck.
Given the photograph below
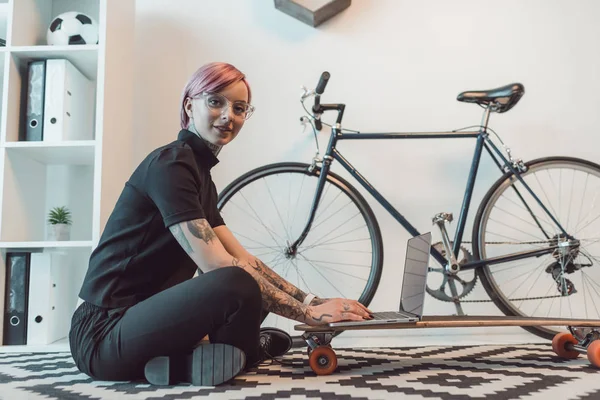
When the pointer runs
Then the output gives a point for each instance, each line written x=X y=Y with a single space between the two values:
x=582 y=337
x=465 y=321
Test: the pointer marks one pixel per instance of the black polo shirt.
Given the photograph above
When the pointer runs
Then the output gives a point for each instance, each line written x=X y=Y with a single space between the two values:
x=137 y=255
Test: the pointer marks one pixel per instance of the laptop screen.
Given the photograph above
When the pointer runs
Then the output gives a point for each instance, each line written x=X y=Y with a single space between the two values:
x=415 y=274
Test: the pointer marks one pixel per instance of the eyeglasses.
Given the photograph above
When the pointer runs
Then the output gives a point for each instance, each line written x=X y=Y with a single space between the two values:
x=218 y=103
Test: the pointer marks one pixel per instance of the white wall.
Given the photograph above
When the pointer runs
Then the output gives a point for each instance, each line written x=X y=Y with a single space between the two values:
x=398 y=65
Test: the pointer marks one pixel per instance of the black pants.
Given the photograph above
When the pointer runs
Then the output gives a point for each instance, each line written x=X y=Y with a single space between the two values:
x=114 y=345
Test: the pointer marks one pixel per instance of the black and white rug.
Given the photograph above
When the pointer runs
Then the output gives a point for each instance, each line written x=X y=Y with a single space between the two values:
x=449 y=372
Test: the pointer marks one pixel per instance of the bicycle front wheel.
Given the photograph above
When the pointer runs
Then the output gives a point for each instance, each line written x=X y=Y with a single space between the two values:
x=562 y=284
x=342 y=256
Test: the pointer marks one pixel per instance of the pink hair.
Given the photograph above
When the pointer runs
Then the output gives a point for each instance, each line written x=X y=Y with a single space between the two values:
x=211 y=77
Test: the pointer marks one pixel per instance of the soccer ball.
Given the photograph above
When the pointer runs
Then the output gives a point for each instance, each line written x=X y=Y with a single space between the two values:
x=72 y=28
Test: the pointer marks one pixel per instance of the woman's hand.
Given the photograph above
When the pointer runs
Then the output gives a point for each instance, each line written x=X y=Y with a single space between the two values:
x=334 y=310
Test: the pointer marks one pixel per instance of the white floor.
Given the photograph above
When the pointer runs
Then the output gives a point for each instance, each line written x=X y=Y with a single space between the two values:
x=58 y=346
x=381 y=338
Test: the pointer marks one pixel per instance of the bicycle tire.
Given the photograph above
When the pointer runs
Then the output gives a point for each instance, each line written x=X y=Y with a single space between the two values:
x=494 y=193
x=256 y=174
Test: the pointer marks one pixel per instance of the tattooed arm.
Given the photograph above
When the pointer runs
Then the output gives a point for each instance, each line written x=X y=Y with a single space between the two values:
x=199 y=241
x=233 y=246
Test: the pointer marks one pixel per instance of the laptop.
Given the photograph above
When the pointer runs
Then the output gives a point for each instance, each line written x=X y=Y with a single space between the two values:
x=412 y=294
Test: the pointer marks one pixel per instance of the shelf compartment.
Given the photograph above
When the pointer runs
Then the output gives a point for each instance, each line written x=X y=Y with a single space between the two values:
x=55 y=280
x=69 y=152
x=35 y=16
x=31 y=188
x=83 y=59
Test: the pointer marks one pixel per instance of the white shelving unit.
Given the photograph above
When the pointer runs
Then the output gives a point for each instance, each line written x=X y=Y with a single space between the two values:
x=87 y=176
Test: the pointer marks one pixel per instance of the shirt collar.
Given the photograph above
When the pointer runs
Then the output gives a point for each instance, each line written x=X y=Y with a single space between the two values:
x=204 y=155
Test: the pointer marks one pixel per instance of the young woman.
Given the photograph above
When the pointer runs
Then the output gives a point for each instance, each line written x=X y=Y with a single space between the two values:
x=143 y=315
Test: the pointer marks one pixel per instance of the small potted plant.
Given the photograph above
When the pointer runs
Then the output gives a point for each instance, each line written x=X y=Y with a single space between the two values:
x=59 y=219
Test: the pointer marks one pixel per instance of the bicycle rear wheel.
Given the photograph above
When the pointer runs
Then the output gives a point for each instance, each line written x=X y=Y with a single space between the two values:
x=342 y=256
x=561 y=284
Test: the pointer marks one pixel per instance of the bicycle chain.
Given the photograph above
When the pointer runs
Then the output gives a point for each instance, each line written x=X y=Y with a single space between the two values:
x=519 y=299
x=533 y=242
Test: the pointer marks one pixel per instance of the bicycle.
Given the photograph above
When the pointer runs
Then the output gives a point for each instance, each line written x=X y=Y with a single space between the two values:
x=517 y=228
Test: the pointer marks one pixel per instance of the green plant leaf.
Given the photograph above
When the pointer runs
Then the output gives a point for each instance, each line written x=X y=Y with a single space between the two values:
x=59 y=215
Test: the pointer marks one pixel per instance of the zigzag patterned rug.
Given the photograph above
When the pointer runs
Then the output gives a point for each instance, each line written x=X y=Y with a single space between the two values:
x=452 y=372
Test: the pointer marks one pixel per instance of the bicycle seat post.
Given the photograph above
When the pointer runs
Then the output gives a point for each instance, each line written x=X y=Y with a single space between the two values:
x=486 y=118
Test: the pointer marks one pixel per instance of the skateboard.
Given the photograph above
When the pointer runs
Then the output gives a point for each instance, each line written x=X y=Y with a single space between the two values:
x=581 y=338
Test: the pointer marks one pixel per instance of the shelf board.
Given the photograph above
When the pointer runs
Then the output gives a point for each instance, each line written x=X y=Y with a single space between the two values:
x=84 y=57
x=73 y=152
x=38 y=246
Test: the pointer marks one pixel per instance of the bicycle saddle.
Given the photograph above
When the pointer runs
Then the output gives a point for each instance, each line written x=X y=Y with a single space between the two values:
x=503 y=98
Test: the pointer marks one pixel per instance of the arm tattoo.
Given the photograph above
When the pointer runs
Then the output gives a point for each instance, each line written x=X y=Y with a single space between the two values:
x=274 y=299
x=276 y=280
x=321 y=317
x=202 y=230
x=181 y=239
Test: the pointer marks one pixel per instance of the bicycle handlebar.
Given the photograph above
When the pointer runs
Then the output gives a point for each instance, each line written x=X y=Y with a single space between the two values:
x=322 y=82
x=318 y=109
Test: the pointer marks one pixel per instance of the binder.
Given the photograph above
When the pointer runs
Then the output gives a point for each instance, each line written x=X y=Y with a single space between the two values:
x=68 y=103
x=16 y=298
x=38 y=309
x=34 y=114
x=49 y=308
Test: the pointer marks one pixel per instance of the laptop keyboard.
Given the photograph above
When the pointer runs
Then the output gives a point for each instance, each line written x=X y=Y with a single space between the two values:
x=389 y=315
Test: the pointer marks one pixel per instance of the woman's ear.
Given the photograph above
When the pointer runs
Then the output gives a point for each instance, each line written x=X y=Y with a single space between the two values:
x=188 y=106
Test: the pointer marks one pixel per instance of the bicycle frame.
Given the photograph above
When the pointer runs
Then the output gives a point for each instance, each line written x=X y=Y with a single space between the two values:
x=482 y=142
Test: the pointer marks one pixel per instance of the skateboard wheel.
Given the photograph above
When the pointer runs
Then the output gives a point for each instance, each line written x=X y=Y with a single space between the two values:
x=593 y=353
x=323 y=360
x=559 y=342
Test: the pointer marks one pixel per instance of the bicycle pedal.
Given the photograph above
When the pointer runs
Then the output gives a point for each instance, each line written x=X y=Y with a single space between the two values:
x=442 y=217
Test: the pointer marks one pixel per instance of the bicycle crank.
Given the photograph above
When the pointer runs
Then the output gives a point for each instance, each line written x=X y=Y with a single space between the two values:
x=453 y=287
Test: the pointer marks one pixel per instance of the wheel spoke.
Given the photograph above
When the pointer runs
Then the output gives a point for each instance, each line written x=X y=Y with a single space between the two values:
x=582 y=198
x=516 y=216
x=321 y=210
x=332 y=215
x=570 y=200
x=577 y=229
x=549 y=202
x=255 y=241
x=595 y=290
x=295 y=264
x=537 y=217
x=340 y=242
x=338 y=271
x=269 y=231
x=336 y=237
x=264 y=254
x=339 y=263
x=324 y=277
x=277 y=209
x=297 y=199
x=258 y=221
x=518 y=230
